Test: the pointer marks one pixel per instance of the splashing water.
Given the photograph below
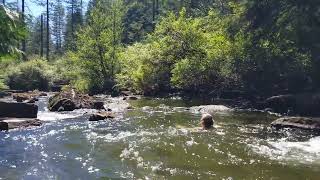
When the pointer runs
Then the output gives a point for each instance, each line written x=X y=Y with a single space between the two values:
x=156 y=141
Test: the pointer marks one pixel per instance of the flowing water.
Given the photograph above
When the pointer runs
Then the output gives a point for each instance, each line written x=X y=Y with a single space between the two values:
x=156 y=141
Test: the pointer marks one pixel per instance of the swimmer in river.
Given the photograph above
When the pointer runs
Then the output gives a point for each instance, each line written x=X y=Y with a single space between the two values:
x=206 y=122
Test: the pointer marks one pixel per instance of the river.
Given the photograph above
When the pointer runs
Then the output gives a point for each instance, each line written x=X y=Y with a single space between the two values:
x=154 y=141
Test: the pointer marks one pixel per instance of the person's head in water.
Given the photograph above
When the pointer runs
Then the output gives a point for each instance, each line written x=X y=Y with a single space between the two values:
x=206 y=121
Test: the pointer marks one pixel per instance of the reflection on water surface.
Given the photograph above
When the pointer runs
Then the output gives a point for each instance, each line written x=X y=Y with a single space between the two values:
x=150 y=142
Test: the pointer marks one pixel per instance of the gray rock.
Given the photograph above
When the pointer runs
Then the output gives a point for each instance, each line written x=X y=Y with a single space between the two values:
x=297 y=122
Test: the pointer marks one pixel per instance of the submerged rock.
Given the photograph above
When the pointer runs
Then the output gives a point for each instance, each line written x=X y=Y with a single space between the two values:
x=211 y=108
x=130 y=98
x=101 y=116
x=18 y=110
x=307 y=104
x=14 y=123
x=297 y=122
x=70 y=100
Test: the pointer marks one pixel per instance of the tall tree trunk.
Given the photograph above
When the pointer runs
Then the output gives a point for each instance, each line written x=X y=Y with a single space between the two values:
x=23 y=40
x=81 y=11
x=153 y=10
x=48 y=34
x=114 y=43
x=181 y=4
x=157 y=7
x=72 y=20
x=41 y=36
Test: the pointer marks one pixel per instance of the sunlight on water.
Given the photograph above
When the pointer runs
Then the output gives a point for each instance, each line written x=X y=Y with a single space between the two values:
x=158 y=140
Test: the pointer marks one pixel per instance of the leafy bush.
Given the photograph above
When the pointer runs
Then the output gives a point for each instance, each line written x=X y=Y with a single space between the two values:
x=30 y=75
x=183 y=53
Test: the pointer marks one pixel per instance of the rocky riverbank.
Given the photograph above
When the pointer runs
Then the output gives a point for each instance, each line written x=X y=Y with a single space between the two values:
x=305 y=105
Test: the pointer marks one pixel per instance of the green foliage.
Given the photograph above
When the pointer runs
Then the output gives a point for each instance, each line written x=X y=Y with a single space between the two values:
x=11 y=32
x=186 y=53
x=282 y=46
x=98 y=45
x=31 y=75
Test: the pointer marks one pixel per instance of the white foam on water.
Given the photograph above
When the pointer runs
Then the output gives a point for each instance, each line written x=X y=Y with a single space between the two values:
x=307 y=152
x=54 y=116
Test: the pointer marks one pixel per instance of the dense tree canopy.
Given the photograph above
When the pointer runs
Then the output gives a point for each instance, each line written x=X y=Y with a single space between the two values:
x=265 y=47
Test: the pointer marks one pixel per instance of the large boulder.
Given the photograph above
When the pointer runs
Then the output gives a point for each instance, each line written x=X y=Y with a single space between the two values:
x=70 y=100
x=297 y=122
x=18 y=110
x=307 y=104
x=63 y=104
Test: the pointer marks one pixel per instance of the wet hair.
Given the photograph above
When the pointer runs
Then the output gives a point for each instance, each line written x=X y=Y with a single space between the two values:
x=207 y=121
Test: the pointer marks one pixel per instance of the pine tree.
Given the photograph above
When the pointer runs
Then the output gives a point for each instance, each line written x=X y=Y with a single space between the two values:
x=58 y=26
x=74 y=20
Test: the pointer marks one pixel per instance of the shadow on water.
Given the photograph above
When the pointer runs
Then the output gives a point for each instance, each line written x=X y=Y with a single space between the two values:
x=150 y=142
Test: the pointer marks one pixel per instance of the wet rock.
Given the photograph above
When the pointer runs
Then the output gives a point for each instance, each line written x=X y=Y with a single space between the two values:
x=101 y=116
x=33 y=100
x=43 y=94
x=70 y=100
x=130 y=98
x=18 y=110
x=63 y=104
x=297 y=122
x=14 y=123
x=125 y=93
x=20 y=97
x=307 y=104
x=98 y=105
x=4 y=126
x=4 y=94
x=28 y=96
